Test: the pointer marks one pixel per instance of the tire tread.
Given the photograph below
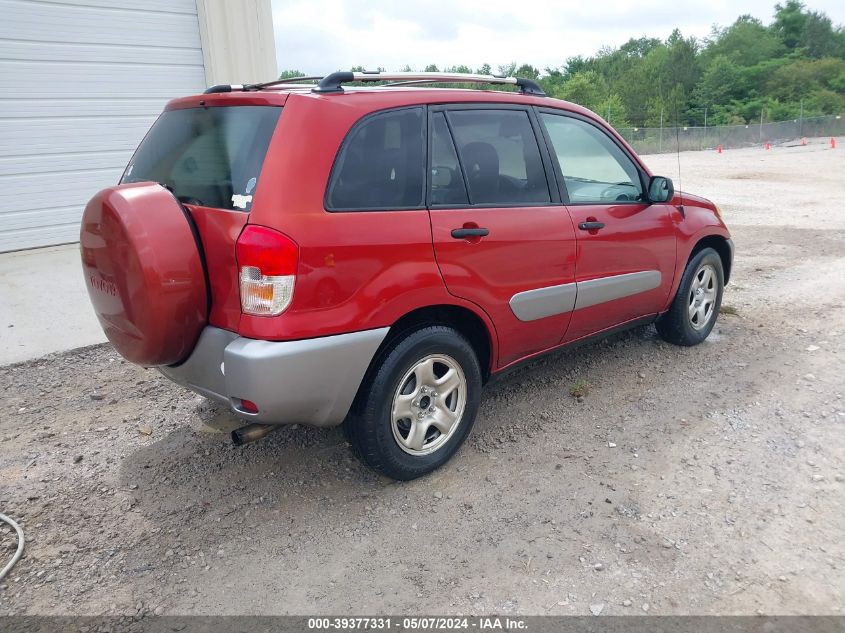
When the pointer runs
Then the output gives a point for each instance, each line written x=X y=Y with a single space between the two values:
x=674 y=326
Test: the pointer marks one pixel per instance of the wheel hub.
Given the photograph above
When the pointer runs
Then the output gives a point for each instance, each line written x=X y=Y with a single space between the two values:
x=702 y=298
x=428 y=405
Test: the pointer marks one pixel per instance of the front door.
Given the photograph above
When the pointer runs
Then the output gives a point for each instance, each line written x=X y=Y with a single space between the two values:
x=501 y=237
x=626 y=246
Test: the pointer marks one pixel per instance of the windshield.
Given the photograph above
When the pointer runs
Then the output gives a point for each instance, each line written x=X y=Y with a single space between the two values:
x=207 y=156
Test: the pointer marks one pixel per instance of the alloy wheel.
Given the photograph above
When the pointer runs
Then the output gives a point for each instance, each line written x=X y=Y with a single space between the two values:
x=429 y=404
x=702 y=296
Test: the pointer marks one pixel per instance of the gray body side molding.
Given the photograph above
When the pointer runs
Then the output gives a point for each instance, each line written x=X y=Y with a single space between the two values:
x=310 y=381
x=542 y=302
x=531 y=305
x=604 y=289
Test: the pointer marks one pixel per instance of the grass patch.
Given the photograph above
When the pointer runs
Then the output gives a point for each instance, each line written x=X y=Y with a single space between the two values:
x=580 y=389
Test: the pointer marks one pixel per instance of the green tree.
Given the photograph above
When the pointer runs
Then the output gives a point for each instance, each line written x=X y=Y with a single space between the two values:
x=721 y=82
x=574 y=65
x=819 y=38
x=527 y=71
x=289 y=74
x=461 y=68
x=796 y=80
x=508 y=70
x=746 y=42
x=613 y=110
x=585 y=88
x=681 y=65
x=789 y=23
x=736 y=73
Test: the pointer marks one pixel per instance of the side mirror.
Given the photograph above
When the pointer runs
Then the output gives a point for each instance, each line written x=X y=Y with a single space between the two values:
x=660 y=189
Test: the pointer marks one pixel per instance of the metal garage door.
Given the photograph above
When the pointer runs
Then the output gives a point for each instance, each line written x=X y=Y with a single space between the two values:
x=80 y=83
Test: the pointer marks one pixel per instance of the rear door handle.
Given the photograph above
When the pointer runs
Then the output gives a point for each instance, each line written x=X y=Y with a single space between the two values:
x=460 y=234
x=591 y=226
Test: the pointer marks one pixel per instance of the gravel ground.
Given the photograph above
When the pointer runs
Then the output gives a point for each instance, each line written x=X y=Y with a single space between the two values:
x=705 y=480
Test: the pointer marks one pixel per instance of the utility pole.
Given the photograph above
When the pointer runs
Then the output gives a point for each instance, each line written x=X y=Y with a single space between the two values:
x=801 y=120
x=705 y=128
x=660 y=148
x=761 y=123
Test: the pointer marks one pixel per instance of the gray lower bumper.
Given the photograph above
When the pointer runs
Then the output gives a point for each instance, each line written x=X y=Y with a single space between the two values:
x=311 y=381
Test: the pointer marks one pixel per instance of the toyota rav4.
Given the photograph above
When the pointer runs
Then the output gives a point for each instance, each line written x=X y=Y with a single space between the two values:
x=369 y=256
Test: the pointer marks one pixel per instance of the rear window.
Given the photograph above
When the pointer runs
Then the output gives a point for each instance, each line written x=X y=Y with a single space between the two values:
x=207 y=156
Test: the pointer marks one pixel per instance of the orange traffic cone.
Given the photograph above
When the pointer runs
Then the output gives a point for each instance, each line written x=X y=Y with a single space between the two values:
x=832 y=143
x=767 y=146
x=803 y=141
x=718 y=149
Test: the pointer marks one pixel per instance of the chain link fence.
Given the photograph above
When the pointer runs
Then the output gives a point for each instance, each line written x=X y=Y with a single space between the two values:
x=648 y=140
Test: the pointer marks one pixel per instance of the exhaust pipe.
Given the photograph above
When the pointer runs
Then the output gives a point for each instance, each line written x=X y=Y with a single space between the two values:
x=251 y=432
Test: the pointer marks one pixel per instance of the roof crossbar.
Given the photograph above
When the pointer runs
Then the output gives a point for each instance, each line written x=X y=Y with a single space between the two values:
x=333 y=82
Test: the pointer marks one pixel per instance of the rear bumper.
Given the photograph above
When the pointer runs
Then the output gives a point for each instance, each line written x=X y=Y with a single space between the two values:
x=311 y=381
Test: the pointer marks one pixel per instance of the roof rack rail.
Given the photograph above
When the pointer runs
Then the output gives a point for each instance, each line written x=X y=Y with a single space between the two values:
x=260 y=86
x=333 y=82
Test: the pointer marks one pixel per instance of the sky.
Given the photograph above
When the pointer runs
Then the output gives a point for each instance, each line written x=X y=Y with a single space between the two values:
x=321 y=36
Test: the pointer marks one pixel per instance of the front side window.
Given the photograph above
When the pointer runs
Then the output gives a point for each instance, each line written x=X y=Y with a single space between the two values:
x=207 y=156
x=594 y=168
x=381 y=165
x=499 y=156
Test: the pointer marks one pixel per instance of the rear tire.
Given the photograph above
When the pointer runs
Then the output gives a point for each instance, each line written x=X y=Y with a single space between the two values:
x=419 y=404
x=695 y=308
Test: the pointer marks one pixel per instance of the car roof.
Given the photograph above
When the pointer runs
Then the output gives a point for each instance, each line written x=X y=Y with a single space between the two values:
x=382 y=89
x=377 y=97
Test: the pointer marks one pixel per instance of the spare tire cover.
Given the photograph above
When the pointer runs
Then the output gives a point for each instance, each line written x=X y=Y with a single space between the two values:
x=144 y=273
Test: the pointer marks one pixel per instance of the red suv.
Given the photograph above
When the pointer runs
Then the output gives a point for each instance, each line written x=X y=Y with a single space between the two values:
x=371 y=256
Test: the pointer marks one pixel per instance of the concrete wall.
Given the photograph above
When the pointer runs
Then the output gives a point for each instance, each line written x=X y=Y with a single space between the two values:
x=237 y=41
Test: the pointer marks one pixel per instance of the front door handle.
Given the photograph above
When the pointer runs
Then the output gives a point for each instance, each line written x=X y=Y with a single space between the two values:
x=460 y=234
x=591 y=226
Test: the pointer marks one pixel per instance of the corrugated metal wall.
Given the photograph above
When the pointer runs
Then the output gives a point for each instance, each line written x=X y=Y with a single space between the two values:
x=80 y=84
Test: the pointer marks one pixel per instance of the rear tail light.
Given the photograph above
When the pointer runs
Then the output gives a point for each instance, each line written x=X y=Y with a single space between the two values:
x=267 y=262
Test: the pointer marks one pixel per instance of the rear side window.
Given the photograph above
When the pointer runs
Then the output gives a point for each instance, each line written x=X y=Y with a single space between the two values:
x=500 y=156
x=447 y=182
x=207 y=156
x=381 y=164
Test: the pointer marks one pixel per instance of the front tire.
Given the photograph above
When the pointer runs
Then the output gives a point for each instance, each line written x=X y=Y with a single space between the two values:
x=695 y=309
x=419 y=405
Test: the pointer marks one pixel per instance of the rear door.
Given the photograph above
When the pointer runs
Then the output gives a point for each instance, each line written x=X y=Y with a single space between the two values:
x=626 y=246
x=501 y=236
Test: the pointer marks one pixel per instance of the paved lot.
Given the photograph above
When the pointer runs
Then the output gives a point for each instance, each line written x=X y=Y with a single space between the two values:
x=704 y=480
x=44 y=305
